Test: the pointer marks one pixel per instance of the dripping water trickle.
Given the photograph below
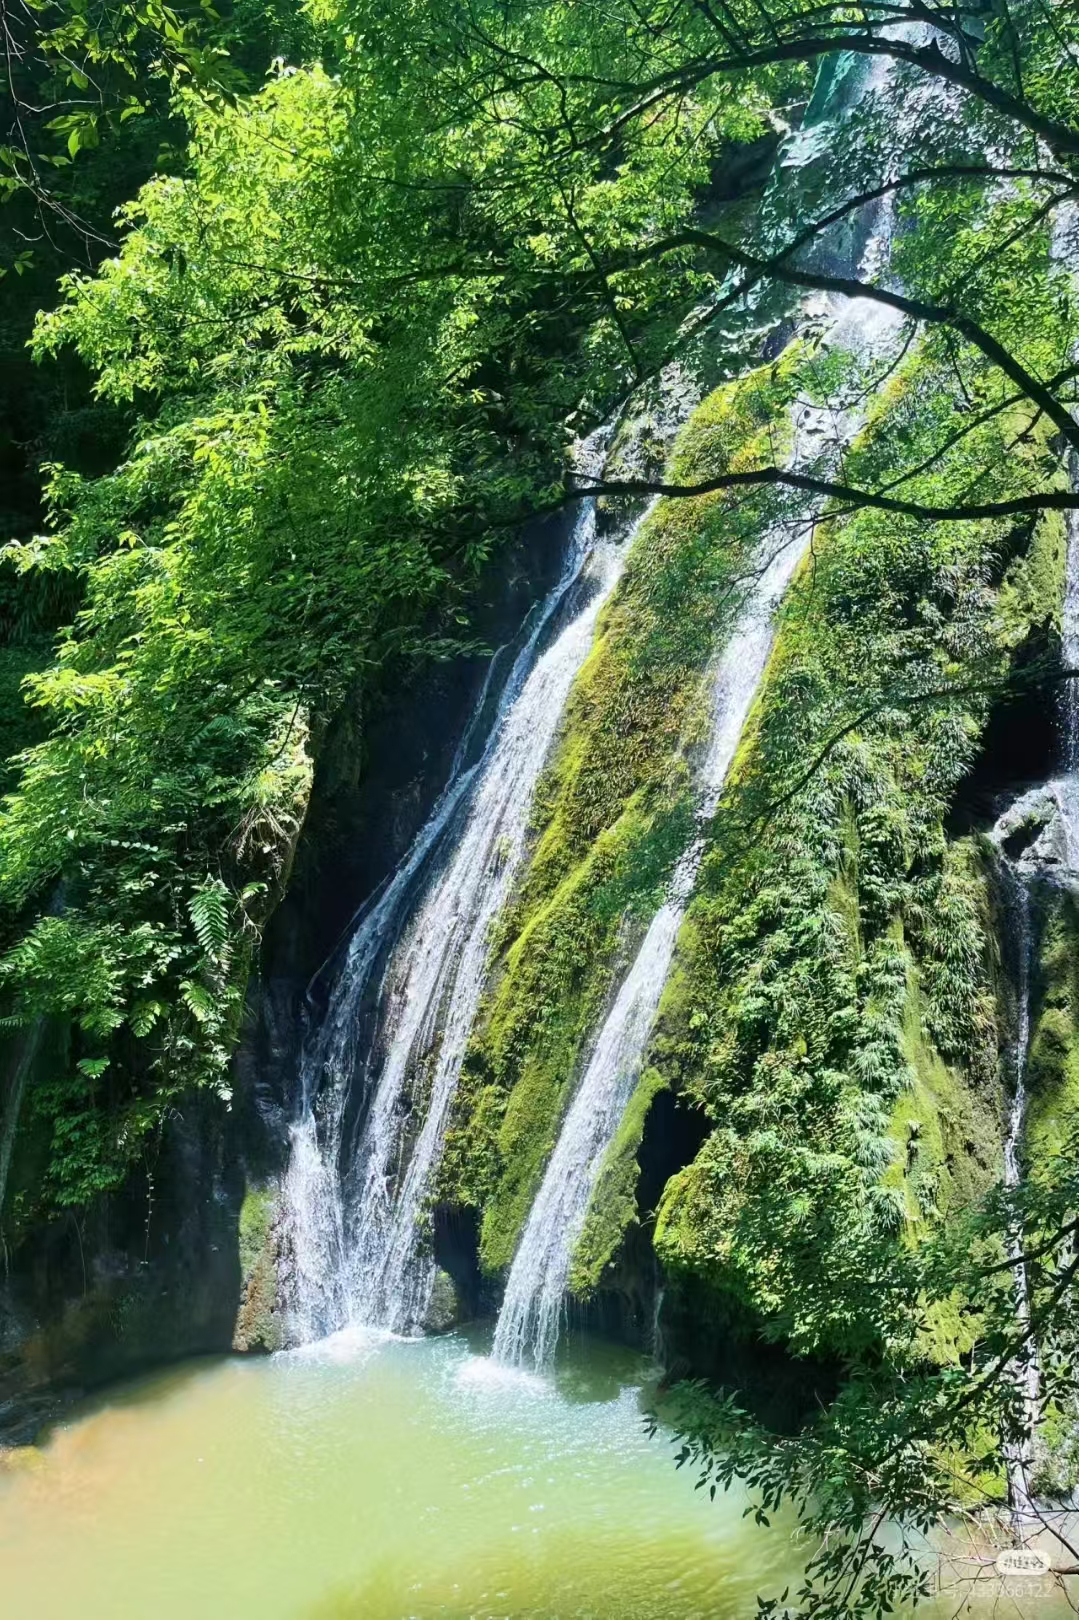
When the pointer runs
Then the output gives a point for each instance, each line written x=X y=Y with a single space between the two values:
x=655 y=1337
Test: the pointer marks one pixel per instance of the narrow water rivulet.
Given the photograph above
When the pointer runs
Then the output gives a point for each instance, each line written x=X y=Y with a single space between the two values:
x=1047 y=819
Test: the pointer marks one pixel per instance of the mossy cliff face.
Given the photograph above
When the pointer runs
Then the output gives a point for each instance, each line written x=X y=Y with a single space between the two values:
x=835 y=1012
x=839 y=1016
x=614 y=811
x=259 y=1320
x=133 y=1281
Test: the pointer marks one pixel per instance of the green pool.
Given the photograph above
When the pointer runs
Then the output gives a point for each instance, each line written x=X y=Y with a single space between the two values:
x=374 y=1479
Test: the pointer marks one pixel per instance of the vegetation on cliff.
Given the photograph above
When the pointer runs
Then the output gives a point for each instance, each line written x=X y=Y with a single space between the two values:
x=836 y=1016
x=352 y=321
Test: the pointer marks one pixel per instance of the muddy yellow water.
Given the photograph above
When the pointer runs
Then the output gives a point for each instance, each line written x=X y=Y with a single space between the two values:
x=374 y=1480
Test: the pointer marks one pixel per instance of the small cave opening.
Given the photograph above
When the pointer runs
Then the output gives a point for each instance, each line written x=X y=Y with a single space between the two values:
x=1022 y=744
x=623 y=1307
x=674 y=1133
x=456 y=1246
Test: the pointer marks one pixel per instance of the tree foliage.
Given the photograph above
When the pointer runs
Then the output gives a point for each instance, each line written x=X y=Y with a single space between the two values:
x=911 y=1452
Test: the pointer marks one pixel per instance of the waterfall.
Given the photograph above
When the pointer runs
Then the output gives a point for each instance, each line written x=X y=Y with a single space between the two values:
x=338 y=1052
x=335 y=1054
x=655 y=1337
x=379 y=1077
x=1037 y=863
x=418 y=953
x=434 y=984
x=1024 y=873
x=529 y=1321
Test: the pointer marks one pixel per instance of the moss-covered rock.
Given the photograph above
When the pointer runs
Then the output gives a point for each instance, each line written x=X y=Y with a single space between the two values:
x=840 y=1020
x=444 y=1309
x=259 y=1319
x=613 y=1207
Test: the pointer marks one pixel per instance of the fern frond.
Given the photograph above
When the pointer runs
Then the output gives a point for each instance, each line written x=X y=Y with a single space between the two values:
x=209 y=910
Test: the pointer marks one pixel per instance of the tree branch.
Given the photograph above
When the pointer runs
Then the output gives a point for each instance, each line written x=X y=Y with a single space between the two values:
x=1045 y=501
x=930 y=59
x=850 y=287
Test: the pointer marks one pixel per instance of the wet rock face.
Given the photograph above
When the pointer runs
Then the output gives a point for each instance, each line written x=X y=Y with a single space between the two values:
x=1036 y=832
x=145 y=1277
x=261 y=1322
x=444 y=1311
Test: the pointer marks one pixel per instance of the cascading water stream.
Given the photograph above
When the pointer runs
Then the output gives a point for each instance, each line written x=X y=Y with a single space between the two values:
x=354 y=1215
x=335 y=1056
x=435 y=981
x=1047 y=819
x=1024 y=874
x=528 y=1323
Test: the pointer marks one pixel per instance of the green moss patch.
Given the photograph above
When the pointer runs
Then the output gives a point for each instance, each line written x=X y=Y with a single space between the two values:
x=839 y=1020
x=1053 y=1058
x=259 y=1323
